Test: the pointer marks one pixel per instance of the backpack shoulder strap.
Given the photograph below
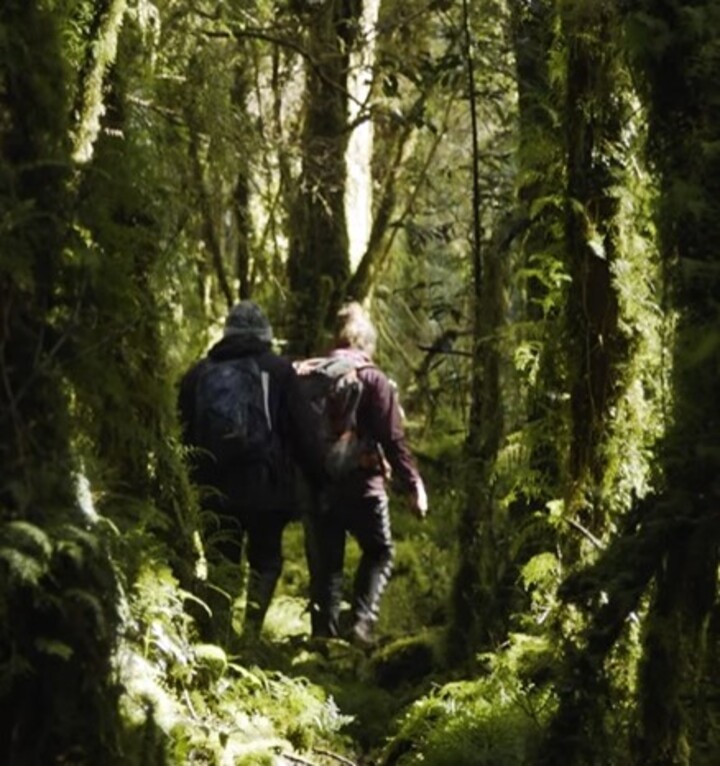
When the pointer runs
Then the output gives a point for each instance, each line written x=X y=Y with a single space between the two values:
x=332 y=366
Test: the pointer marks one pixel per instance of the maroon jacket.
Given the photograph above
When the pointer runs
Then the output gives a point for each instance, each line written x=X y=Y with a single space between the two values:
x=379 y=417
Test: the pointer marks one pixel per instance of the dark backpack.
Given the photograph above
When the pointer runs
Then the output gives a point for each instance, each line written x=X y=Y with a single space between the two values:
x=332 y=388
x=232 y=413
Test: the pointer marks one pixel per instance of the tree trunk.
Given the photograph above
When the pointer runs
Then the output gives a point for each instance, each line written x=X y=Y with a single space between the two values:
x=318 y=265
x=683 y=98
x=477 y=620
x=67 y=605
x=676 y=536
x=127 y=378
x=594 y=119
x=538 y=217
x=210 y=225
x=241 y=198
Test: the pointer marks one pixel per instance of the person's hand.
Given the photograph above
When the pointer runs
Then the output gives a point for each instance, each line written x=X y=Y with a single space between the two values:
x=419 y=501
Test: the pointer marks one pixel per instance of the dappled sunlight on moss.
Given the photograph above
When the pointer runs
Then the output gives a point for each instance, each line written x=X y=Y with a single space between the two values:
x=496 y=719
x=202 y=705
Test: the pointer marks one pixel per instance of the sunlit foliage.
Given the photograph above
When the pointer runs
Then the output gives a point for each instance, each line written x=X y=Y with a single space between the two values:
x=547 y=306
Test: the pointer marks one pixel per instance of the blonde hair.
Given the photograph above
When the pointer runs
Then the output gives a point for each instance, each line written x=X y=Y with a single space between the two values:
x=354 y=329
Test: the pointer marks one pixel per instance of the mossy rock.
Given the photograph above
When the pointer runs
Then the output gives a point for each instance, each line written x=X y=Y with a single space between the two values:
x=406 y=661
x=211 y=659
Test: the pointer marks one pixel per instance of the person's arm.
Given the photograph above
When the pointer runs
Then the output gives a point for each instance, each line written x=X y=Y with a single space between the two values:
x=386 y=427
x=200 y=463
x=186 y=404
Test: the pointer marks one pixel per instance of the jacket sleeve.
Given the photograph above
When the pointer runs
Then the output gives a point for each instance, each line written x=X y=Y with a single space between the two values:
x=186 y=404
x=384 y=418
x=200 y=465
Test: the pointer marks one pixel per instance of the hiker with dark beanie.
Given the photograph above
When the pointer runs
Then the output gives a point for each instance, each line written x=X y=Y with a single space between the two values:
x=247 y=425
x=356 y=501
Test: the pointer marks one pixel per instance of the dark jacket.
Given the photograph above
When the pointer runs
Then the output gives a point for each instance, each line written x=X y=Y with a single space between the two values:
x=257 y=485
x=379 y=418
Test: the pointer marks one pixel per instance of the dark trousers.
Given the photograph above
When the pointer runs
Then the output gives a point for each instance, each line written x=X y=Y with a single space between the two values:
x=260 y=533
x=368 y=521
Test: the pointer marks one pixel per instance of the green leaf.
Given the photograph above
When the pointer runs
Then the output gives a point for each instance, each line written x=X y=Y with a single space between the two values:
x=597 y=246
x=540 y=569
x=54 y=648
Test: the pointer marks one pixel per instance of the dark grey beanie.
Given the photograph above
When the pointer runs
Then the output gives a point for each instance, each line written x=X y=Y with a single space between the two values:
x=246 y=318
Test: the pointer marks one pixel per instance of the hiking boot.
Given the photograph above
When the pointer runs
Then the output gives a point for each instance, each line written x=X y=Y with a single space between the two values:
x=361 y=634
x=324 y=623
x=260 y=589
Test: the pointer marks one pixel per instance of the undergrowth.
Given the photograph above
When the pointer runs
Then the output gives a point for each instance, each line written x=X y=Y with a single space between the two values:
x=286 y=699
x=187 y=702
x=494 y=720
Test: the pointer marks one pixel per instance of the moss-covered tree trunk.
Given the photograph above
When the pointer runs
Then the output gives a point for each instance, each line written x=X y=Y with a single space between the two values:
x=128 y=378
x=318 y=265
x=35 y=181
x=477 y=620
x=669 y=543
x=594 y=118
x=241 y=196
x=683 y=96
x=538 y=219
x=57 y=608
x=479 y=615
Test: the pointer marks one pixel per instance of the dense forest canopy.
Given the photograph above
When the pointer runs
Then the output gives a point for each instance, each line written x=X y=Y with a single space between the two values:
x=526 y=196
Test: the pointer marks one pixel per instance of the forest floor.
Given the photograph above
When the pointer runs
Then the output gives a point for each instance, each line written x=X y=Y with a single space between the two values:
x=370 y=687
x=373 y=687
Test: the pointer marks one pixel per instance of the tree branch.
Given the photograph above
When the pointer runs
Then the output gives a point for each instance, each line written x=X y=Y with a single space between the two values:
x=335 y=756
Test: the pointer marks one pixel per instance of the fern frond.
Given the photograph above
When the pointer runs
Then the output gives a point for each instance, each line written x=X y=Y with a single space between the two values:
x=28 y=537
x=23 y=568
x=92 y=606
x=54 y=647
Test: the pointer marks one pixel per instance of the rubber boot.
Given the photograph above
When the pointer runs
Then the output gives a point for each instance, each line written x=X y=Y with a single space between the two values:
x=324 y=623
x=260 y=589
x=326 y=598
x=371 y=578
